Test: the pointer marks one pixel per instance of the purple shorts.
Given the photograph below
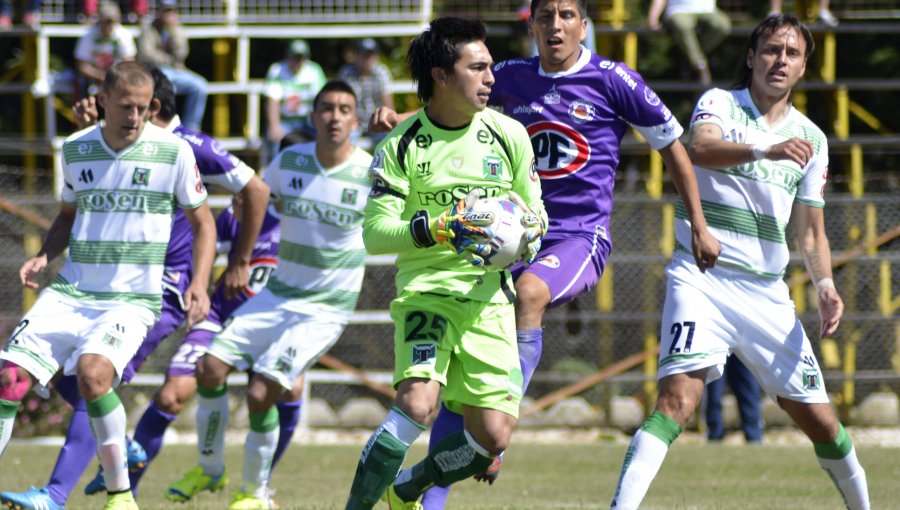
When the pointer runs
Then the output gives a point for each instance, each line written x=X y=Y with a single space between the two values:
x=570 y=266
x=194 y=345
x=169 y=319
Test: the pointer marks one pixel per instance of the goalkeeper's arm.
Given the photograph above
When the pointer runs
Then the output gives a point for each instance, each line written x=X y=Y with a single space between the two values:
x=383 y=230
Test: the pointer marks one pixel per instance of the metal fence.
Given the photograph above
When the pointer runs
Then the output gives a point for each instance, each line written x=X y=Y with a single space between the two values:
x=618 y=319
x=325 y=11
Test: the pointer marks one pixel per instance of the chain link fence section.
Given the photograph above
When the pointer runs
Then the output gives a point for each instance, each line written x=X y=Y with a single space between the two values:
x=617 y=319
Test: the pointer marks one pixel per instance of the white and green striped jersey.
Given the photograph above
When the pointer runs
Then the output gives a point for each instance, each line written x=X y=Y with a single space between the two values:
x=321 y=258
x=125 y=201
x=747 y=207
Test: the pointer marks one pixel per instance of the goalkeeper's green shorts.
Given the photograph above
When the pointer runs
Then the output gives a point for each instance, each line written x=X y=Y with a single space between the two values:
x=467 y=346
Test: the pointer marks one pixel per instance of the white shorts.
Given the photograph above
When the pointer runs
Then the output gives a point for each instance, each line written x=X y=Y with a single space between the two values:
x=274 y=339
x=707 y=316
x=59 y=329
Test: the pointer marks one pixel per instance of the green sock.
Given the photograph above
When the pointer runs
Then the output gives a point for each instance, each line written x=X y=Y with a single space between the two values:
x=453 y=459
x=663 y=427
x=8 y=408
x=378 y=466
x=836 y=450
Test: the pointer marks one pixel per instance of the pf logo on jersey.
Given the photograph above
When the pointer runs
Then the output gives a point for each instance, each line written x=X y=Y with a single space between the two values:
x=559 y=150
x=260 y=270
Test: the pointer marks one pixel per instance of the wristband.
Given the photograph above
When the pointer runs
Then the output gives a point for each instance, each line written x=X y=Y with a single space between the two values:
x=418 y=228
x=824 y=283
x=759 y=151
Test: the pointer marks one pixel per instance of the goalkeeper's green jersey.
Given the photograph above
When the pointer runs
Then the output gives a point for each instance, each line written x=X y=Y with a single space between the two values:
x=422 y=165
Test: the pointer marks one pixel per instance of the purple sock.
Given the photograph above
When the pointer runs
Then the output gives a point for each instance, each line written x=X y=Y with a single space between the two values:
x=149 y=433
x=77 y=453
x=446 y=423
x=530 y=342
x=288 y=416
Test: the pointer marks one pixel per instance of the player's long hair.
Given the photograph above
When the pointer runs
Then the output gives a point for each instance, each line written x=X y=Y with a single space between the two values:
x=582 y=7
x=439 y=47
x=770 y=25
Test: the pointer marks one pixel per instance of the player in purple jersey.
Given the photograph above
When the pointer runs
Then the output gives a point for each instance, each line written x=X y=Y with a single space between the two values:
x=576 y=107
x=217 y=166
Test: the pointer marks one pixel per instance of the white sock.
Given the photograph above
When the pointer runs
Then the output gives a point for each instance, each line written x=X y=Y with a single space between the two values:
x=643 y=459
x=212 y=421
x=8 y=410
x=108 y=423
x=258 y=453
x=850 y=478
x=6 y=429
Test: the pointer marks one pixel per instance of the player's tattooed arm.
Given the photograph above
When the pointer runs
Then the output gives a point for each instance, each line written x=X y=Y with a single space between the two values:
x=816 y=252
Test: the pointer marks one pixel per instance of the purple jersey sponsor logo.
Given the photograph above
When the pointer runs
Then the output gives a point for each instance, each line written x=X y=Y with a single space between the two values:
x=559 y=150
x=581 y=111
x=551 y=261
x=650 y=96
x=260 y=270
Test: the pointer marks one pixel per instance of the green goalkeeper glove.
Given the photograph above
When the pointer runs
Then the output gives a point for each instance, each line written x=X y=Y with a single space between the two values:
x=534 y=229
x=464 y=235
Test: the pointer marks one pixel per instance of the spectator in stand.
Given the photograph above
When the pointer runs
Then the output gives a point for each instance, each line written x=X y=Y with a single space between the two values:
x=746 y=390
x=29 y=16
x=137 y=9
x=697 y=26
x=291 y=86
x=825 y=16
x=371 y=80
x=106 y=43
x=163 y=44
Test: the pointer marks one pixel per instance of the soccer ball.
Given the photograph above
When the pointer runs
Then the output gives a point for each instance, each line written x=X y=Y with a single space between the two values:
x=508 y=242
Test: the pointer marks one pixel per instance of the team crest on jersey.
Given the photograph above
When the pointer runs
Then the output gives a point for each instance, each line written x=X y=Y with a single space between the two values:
x=811 y=379
x=348 y=196
x=141 y=176
x=423 y=354
x=650 y=96
x=493 y=167
x=457 y=163
x=581 y=111
x=551 y=261
x=150 y=149
x=559 y=150
x=552 y=96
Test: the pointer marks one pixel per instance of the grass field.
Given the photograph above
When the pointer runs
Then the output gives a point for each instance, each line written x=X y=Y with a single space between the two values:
x=535 y=476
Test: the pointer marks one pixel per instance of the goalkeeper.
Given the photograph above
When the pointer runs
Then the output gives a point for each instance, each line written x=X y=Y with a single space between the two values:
x=454 y=315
